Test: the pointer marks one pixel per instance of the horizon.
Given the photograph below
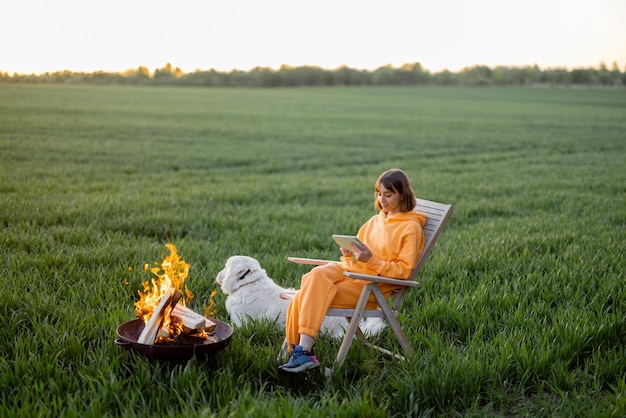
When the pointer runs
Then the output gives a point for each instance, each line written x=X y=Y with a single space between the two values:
x=362 y=35
x=425 y=68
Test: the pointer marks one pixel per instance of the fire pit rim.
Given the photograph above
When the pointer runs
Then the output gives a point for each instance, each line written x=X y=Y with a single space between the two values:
x=129 y=331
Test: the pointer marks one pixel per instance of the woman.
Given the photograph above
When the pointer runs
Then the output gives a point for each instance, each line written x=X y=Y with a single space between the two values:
x=393 y=240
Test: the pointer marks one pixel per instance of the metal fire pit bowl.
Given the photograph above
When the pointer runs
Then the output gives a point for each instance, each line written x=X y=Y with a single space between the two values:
x=128 y=334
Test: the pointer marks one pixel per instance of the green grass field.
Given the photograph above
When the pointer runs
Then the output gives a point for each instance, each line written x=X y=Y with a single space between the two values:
x=522 y=306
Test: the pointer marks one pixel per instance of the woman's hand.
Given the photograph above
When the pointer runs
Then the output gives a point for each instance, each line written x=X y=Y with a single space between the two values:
x=363 y=254
x=345 y=253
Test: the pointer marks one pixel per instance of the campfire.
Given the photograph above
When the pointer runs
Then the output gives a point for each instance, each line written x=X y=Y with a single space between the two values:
x=162 y=305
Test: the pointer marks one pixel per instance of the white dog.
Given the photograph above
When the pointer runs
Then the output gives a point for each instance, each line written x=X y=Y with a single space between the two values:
x=252 y=294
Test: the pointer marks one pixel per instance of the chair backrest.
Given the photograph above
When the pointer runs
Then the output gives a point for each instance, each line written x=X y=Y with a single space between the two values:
x=437 y=215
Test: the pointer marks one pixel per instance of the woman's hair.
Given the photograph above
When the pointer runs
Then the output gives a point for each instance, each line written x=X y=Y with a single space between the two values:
x=396 y=180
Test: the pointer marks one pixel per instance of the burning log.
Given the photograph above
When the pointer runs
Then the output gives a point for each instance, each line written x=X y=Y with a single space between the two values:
x=192 y=320
x=151 y=329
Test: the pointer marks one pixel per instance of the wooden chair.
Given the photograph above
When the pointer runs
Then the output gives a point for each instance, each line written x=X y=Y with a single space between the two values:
x=437 y=215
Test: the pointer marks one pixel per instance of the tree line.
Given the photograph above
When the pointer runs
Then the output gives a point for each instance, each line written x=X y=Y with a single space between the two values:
x=287 y=76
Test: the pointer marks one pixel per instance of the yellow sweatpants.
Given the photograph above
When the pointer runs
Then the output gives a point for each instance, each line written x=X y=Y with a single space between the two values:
x=322 y=288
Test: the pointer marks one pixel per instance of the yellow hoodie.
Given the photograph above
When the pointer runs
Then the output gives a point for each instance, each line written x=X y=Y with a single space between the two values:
x=395 y=241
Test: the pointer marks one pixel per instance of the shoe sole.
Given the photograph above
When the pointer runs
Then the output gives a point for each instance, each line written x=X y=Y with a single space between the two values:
x=300 y=368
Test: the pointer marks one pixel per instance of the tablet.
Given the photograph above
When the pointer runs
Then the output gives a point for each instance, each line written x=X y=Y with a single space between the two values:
x=344 y=241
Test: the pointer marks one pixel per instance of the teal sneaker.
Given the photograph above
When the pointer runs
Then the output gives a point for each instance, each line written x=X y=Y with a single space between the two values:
x=299 y=361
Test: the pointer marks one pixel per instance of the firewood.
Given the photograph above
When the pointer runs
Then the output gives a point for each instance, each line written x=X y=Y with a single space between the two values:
x=191 y=319
x=164 y=332
x=209 y=325
x=150 y=330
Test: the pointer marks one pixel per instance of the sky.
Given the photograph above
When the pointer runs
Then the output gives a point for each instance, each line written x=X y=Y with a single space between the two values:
x=37 y=36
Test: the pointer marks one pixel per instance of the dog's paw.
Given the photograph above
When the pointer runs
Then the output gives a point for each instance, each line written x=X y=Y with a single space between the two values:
x=287 y=295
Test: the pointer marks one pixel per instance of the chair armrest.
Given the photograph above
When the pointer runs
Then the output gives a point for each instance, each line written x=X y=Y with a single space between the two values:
x=313 y=261
x=381 y=279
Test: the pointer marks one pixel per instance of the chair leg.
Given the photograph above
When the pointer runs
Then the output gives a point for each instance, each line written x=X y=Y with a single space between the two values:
x=393 y=322
x=354 y=323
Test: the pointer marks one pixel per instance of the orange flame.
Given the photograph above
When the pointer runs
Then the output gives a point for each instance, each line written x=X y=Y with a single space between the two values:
x=171 y=273
x=211 y=310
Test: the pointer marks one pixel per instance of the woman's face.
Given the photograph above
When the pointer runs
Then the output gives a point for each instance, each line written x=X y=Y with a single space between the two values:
x=388 y=199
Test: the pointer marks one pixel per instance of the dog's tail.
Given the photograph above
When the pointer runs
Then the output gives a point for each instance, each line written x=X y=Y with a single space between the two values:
x=372 y=327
